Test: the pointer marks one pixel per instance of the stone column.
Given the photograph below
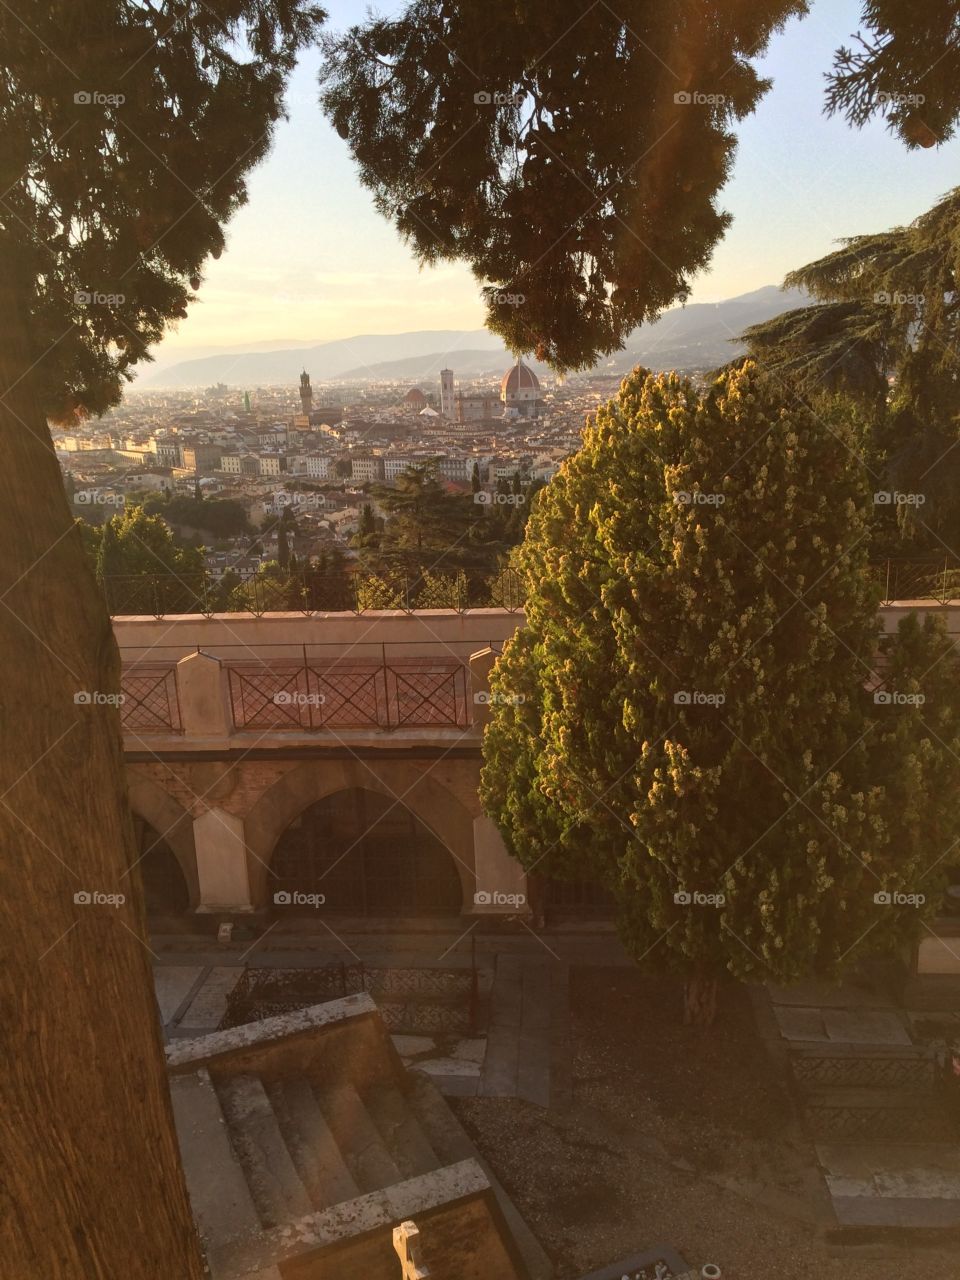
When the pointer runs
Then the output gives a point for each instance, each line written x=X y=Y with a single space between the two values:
x=501 y=881
x=481 y=664
x=221 y=862
x=201 y=688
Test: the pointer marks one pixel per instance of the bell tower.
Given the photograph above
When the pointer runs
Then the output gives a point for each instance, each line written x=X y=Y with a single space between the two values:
x=306 y=393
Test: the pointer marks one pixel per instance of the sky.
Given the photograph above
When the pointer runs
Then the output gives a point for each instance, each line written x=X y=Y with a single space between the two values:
x=309 y=259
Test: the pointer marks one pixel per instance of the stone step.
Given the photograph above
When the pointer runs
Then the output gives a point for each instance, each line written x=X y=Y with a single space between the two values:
x=914 y=1170
x=359 y=1140
x=452 y=1145
x=400 y=1129
x=223 y=1208
x=274 y=1182
x=876 y=1115
x=313 y=1148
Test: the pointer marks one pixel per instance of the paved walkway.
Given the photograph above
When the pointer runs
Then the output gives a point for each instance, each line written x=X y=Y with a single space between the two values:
x=887 y=1148
x=525 y=1053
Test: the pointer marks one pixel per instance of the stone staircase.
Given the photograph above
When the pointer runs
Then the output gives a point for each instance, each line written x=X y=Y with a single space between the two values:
x=305 y=1141
x=885 y=1141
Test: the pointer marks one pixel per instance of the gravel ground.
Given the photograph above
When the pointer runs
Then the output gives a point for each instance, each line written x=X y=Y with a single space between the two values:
x=676 y=1137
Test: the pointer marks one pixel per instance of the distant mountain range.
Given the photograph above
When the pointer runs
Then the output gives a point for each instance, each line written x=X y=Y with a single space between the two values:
x=693 y=337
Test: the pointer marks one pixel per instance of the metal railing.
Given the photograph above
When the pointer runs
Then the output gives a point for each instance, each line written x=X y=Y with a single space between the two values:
x=305 y=591
x=931 y=579
x=150 y=700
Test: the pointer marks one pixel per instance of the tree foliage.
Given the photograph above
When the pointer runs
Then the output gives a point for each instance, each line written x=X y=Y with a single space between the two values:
x=126 y=130
x=571 y=155
x=906 y=68
x=887 y=306
x=688 y=709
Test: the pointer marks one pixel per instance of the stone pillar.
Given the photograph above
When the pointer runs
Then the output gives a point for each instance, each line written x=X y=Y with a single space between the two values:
x=221 y=862
x=201 y=688
x=501 y=881
x=481 y=664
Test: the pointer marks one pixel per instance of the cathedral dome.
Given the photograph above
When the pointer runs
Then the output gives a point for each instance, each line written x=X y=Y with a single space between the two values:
x=519 y=379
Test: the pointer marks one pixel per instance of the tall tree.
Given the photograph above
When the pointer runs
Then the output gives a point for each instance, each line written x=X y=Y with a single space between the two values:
x=887 y=309
x=126 y=129
x=687 y=715
x=572 y=155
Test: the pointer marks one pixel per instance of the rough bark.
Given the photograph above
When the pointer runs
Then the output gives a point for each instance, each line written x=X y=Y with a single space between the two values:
x=699 y=1001
x=90 y=1178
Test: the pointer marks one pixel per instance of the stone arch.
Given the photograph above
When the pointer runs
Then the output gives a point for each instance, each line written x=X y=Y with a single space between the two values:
x=429 y=800
x=158 y=809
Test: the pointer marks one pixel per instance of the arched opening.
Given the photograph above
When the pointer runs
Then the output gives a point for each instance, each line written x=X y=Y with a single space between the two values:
x=165 y=888
x=368 y=855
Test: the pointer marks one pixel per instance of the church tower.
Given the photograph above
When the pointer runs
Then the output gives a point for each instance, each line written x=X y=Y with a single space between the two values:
x=446 y=393
x=306 y=393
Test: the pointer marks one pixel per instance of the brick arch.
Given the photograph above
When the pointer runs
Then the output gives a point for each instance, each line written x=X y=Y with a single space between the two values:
x=150 y=802
x=427 y=799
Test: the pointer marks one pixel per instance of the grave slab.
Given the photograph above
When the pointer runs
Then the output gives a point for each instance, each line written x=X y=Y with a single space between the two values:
x=865 y=1026
x=800 y=1023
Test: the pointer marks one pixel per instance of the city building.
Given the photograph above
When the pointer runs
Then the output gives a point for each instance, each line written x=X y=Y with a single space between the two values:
x=520 y=392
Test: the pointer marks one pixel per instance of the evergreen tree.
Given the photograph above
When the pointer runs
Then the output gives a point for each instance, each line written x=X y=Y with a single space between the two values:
x=686 y=716
x=475 y=485
x=886 y=306
x=126 y=129
x=587 y=162
x=906 y=68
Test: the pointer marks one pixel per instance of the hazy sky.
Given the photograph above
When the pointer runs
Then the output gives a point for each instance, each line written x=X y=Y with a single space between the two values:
x=308 y=258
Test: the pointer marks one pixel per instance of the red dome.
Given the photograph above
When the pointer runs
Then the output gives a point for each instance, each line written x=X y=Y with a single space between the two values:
x=519 y=378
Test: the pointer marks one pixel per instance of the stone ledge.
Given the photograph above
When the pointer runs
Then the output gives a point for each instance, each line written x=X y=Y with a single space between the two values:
x=187 y=1055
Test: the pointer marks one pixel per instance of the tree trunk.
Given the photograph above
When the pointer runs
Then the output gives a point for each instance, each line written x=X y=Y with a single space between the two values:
x=699 y=1001
x=91 y=1170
